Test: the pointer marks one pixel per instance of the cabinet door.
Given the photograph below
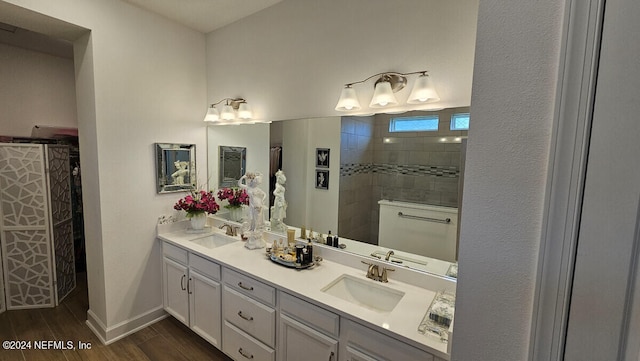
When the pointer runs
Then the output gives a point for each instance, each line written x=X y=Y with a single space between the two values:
x=204 y=310
x=300 y=342
x=352 y=354
x=176 y=299
x=361 y=343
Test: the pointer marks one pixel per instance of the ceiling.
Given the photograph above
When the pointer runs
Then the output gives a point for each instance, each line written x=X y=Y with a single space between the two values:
x=204 y=15
x=201 y=15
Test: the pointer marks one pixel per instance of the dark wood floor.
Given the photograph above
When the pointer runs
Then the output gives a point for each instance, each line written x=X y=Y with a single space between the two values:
x=164 y=340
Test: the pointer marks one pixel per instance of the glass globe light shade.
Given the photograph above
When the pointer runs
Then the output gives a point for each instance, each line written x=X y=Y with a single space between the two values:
x=383 y=96
x=348 y=100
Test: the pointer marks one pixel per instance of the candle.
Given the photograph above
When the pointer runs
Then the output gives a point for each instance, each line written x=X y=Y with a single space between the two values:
x=291 y=237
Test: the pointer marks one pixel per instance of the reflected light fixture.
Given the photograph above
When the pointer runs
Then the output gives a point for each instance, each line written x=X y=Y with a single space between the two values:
x=385 y=86
x=234 y=110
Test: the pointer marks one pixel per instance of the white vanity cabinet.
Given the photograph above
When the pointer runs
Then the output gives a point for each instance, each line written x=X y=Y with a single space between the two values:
x=254 y=310
x=360 y=343
x=192 y=292
x=307 y=332
x=248 y=307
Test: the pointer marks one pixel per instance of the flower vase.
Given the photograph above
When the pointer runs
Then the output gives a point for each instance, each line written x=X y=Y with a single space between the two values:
x=198 y=221
x=235 y=214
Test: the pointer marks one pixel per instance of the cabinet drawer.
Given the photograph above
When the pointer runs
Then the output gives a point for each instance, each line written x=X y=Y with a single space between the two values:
x=249 y=286
x=312 y=315
x=204 y=266
x=250 y=316
x=241 y=346
x=175 y=253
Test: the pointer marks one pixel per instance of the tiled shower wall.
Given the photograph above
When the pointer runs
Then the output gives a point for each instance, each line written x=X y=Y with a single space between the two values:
x=413 y=167
x=355 y=203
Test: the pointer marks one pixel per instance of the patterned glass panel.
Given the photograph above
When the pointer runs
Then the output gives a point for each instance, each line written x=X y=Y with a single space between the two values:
x=24 y=224
x=2 y=305
x=22 y=186
x=59 y=183
x=61 y=213
x=65 y=259
x=29 y=278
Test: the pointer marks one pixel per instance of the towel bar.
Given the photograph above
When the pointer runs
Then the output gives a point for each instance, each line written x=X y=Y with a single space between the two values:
x=446 y=220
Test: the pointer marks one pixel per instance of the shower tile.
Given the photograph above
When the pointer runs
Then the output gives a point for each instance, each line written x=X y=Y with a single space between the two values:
x=439 y=159
x=452 y=147
x=455 y=158
x=348 y=125
x=407 y=181
x=451 y=187
x=420 y=158
x=433 y=147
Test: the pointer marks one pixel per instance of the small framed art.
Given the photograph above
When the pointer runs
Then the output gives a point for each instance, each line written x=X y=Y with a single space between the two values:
x=322 y=157
x=322 y=179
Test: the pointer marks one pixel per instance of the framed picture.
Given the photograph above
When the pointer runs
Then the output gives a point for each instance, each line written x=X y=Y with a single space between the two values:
x=322 y=157
x=233 y=164
x=175 y=167
x=322 y=179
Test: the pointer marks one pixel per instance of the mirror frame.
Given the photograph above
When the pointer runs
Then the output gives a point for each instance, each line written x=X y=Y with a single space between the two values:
x=226 y=181
x=166 y=155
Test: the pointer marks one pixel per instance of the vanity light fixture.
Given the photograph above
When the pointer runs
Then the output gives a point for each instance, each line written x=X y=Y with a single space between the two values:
x=232 y=109
x=386 y=85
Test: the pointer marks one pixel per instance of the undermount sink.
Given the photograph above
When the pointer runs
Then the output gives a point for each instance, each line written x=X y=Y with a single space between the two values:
x=364 y=293
x=213 y=241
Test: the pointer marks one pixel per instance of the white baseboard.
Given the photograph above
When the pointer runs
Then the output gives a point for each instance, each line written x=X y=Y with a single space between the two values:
x=108 y=335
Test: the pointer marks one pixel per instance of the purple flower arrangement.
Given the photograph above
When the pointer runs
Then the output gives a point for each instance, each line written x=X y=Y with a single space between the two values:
x=235 y=196
x=197 y=202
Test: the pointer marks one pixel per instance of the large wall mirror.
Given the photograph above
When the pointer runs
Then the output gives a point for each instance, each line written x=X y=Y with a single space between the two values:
x=370 y=166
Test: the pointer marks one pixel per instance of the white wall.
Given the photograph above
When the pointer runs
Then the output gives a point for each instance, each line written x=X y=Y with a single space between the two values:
x=515 y=71
x=294 y=165
x=36 y=89
x=291 y=60
x=139 y=80
x=322 y=205
x=254 y=137
x=307 y=206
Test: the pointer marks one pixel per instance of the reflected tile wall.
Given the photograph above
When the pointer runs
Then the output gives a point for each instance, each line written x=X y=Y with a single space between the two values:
x=375 y=164
x=355 y=200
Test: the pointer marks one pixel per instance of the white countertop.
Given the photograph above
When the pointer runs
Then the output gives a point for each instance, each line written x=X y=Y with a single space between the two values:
x=402 y=321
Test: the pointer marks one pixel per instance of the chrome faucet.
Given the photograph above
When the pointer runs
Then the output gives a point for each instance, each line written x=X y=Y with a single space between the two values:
x=389 y=254
x=231 y=231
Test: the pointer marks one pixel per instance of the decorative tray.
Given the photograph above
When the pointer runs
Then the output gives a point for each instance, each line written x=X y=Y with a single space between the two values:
x=439 y=316
x=290 y=264
x=279 y=259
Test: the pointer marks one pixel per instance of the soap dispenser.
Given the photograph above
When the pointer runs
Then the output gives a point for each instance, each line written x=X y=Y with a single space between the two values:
x=329 y=239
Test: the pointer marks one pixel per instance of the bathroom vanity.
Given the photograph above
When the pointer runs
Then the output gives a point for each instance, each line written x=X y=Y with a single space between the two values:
x=252 y=308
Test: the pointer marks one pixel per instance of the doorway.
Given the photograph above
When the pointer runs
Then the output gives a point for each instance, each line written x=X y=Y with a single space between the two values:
x=52 y=63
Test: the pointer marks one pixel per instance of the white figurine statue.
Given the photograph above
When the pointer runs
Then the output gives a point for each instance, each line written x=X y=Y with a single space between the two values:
x=279 y=208
x=255 y=224
x=181 y=171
